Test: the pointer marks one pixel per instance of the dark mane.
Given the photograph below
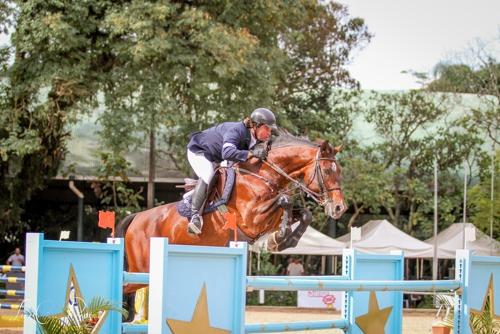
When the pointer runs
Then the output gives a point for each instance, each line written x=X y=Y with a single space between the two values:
x=285 y=138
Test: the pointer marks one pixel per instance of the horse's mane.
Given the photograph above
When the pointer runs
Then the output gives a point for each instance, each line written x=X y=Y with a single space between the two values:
x=284 y=138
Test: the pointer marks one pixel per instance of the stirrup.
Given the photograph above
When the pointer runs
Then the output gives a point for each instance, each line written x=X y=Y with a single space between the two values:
x=194 y=228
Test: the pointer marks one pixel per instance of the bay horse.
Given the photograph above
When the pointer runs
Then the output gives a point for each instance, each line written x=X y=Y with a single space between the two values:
x=259 y=201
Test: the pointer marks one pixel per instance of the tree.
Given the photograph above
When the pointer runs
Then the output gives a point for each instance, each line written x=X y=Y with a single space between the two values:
x=476 y=71
x=58 y=53
x=319 y=46
x=414 y=133
x=365 y=182
x=159 y=70
x=224 y=60
x=485 y=211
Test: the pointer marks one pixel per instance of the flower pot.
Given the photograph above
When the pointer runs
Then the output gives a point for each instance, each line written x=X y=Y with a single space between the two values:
x=436 y=329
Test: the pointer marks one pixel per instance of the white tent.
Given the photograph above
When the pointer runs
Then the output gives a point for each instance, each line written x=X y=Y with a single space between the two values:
x=312 y=242
x=451 y=239
x=381 y=237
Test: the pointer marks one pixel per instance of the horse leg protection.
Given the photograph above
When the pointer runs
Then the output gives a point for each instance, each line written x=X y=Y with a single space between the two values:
x=293 y=238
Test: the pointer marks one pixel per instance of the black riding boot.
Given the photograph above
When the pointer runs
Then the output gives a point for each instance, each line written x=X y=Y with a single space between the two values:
x=198 y=199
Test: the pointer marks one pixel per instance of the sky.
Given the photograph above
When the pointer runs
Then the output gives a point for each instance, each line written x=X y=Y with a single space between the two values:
x=416 y=35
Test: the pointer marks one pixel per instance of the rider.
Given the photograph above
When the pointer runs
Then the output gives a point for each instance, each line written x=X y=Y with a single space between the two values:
x=233 y=141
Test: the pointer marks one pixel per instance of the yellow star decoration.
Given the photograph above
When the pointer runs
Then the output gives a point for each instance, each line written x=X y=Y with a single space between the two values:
x=199 y=322
x=489 y=295
x=374 y=321
x=74 y=301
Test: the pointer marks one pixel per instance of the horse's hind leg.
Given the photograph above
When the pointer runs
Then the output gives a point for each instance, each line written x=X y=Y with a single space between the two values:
x=137 y=250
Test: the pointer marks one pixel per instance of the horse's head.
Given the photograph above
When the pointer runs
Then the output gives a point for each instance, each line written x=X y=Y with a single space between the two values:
x=323 y=176
x=315 y=170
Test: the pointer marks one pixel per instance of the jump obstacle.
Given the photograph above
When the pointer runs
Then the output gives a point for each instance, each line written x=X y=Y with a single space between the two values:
x=197 y=289
x=11 y=281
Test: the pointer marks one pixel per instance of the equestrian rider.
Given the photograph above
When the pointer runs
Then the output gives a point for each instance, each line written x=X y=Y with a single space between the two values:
x=232 y=141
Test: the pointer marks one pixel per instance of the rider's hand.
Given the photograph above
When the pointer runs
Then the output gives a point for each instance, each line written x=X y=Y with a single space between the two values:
x=259 y=151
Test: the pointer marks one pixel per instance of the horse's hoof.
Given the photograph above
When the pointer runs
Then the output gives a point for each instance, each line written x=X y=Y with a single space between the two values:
x=193 y=229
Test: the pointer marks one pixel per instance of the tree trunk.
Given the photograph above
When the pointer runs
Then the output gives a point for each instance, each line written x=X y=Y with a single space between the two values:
x=152 y=169
x=357 y=211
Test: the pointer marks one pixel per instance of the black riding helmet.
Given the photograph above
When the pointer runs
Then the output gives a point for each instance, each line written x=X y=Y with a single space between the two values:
x=264 y=116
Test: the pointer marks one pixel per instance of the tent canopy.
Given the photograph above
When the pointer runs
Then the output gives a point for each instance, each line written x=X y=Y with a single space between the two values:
x=313 y=242
x=451 y=239
x=381 y=237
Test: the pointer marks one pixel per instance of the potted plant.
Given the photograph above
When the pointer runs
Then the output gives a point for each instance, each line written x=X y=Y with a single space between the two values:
x=484 y=322
x=443 y=323
x=86 y=319
x=480 y=323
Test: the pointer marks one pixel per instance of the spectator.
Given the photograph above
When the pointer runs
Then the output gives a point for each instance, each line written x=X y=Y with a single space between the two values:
x=16 y=259
x=284 y=269
x=295 y=268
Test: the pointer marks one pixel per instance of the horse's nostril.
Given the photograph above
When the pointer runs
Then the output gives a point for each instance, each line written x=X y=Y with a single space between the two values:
x=338 y=208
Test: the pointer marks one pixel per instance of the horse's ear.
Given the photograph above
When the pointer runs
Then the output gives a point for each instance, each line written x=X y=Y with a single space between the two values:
x=338 y=149
x=325 y=147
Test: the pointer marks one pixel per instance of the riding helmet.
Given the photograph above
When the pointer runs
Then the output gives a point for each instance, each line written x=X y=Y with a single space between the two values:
x=264 y=116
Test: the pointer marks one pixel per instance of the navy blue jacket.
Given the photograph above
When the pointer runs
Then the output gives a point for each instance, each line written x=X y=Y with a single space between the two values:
x=225 y=141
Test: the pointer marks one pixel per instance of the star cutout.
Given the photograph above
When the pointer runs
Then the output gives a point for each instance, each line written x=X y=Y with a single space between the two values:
x=74 y=301
x=199 y=322
x=488 y=297
x=374 y=321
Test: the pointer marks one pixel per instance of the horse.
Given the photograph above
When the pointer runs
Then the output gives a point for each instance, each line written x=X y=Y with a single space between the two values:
x=260 y=203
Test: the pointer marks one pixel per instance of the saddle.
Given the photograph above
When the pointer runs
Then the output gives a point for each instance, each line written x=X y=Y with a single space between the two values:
x=216 y=197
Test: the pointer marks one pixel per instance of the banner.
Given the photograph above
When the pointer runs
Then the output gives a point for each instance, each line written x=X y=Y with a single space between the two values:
x=320 y=299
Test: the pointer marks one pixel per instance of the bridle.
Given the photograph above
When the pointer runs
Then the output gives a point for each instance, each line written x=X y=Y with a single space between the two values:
x=320 y=197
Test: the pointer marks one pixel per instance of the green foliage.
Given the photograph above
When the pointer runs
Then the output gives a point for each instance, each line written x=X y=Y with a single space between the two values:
x=224 y=59
x=155 y=66
x=366 y=183
x=463 y=78
x=113 y=188
x=274 y=298
x=266 y=265
x=54 y=62
x=482 y=209
x=82 y=322
x=414 y=131
x=319 y=45
x=480 y=75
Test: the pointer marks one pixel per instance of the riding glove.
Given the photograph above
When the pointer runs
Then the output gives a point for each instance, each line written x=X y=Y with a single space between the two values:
x=260 y=152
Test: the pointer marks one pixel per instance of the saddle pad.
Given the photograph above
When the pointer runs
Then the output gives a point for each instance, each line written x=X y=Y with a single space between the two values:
x=184 y=206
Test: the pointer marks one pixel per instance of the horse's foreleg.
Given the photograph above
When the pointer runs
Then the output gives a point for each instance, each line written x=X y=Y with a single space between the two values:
x=285 y=202
x=286 y=219
x=292 y=238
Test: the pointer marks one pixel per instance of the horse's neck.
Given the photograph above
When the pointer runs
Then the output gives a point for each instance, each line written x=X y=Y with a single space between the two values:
x=292 y=159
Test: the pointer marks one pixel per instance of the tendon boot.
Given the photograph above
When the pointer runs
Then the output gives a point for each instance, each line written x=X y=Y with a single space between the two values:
x=197 y=200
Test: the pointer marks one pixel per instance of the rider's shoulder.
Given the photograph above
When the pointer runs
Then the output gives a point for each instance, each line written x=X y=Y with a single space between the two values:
x=239 y=126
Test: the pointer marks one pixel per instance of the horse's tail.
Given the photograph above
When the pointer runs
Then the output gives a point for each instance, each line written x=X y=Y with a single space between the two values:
x=123 y=225
x=121 y=229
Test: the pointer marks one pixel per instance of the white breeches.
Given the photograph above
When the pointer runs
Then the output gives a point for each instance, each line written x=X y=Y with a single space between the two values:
x=203 y=168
